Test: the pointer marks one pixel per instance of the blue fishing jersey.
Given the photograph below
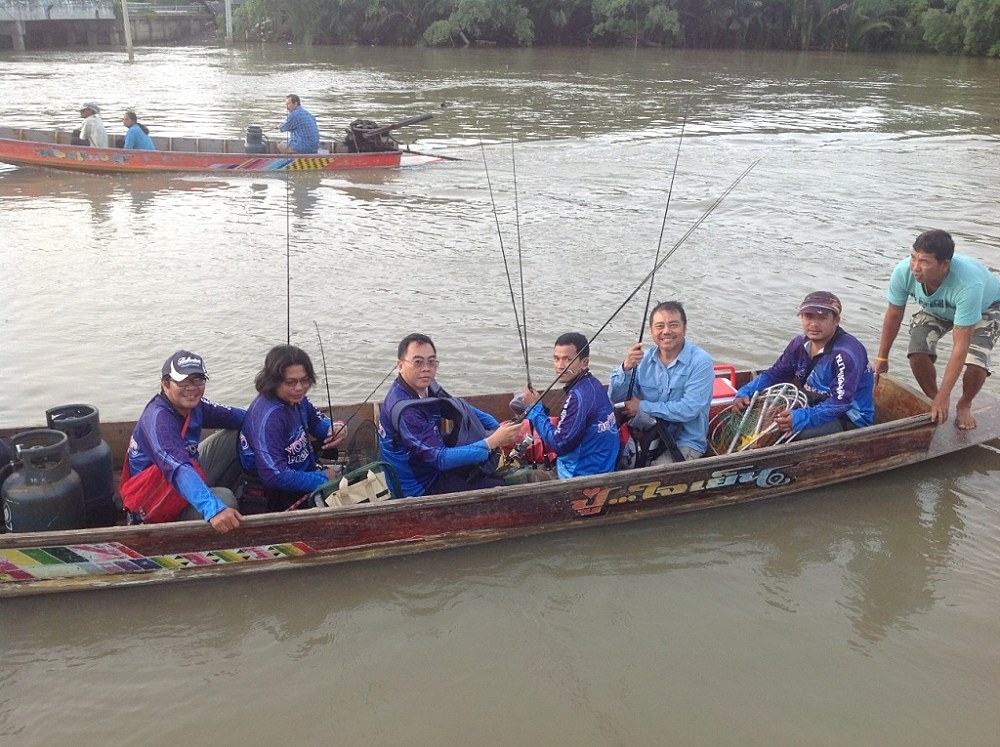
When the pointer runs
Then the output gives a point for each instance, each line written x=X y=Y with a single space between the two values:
x=274 y=443
x=838 y=379
x=585 y=439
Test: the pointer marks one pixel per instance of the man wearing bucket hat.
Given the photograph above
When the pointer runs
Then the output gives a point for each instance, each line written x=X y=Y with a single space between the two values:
x=92 y=132
x=829 y=365
x=168 y=475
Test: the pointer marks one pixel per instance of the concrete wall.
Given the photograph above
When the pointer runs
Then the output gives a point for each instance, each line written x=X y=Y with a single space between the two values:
x=57 y=10
x=146 y=29
x=53 y=24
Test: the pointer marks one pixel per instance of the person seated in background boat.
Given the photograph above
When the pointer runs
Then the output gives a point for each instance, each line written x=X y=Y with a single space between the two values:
x=279 y=463
x=92 y=132
x=956 y=293
x=829 y=365
x=303 y=133
x=673 y=385
x=427 y=460
x=170 y=476
x=585 y=439
x=137 y=137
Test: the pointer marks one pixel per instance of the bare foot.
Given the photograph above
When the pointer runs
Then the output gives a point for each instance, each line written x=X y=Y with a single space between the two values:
x=964 y=419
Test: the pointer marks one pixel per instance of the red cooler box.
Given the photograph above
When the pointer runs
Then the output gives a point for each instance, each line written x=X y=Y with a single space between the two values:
x=724 y=390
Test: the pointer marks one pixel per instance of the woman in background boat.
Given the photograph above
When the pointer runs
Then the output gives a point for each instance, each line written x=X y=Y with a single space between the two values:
x=279 y=463
x=137 y=137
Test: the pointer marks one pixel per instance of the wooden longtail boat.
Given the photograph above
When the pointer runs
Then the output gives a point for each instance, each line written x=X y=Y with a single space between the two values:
x=52 y=149
x=45 y=562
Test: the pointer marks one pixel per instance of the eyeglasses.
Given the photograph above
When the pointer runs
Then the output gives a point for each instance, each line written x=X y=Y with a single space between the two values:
x=420 y=363
x=292 y=383
x=194 y=380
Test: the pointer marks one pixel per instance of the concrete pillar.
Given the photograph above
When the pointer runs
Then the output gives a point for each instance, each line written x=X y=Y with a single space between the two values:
x=18 y=36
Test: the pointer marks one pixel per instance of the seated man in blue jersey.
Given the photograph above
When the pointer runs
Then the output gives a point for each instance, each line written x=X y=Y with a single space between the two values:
x=585 y=439
x=829 y=365
x=303 y=133
x=668 y=388
x=168 y=475
x=427 y=460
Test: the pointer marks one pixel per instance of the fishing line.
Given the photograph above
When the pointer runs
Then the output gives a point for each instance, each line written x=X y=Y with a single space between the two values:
x=651 y=273
x=506 y=266
x=520 y=262
x=659 y=243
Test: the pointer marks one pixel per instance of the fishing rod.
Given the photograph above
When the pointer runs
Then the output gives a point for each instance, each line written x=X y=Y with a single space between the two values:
x=506 y=266
x=288 y=262
x=520 y=263
x=326 y=377
x=329 y=399
x=365 y=400
x=659 y=243
x=649 y=275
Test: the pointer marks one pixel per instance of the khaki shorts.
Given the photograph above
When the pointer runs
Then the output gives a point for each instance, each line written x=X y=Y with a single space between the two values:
x=926 y=329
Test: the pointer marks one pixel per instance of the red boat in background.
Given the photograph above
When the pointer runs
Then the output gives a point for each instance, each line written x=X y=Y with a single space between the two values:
x=367 y=147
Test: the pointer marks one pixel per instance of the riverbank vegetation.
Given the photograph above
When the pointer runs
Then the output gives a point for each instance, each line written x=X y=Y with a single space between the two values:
x=947 y=26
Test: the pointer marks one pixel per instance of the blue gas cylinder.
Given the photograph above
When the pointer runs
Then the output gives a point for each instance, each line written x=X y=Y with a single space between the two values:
x=44 y=493
x=90 y=457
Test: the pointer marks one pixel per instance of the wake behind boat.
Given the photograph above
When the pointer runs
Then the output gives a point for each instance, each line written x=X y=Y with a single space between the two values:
x=366 y=146
x=82 y=559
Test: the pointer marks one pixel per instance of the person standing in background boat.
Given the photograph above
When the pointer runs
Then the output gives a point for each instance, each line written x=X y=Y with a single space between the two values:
x=955 y=293
x=168 y=475
x=137 y=137
x=279 y=463
x=585 y=439
x=92 y=132
x=427 y=460
x=303 y=133
x=829 y=365
x=673 y=386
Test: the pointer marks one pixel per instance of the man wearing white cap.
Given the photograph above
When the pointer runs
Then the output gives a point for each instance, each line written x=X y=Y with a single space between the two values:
x=92 y=132
x=168 y=475
x=829 y=365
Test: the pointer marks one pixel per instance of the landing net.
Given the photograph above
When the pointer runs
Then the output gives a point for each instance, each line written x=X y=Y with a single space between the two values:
x=754 y=428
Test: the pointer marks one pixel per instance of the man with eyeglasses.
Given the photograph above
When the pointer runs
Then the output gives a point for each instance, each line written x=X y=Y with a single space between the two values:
x=168 y=475
x=427 y=460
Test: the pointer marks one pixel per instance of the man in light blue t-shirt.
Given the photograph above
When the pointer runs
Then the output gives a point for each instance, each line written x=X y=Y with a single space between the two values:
x=955 y=293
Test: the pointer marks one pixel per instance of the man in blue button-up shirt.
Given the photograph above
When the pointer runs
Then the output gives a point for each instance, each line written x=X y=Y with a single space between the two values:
x=673 y=383
x=303 y=133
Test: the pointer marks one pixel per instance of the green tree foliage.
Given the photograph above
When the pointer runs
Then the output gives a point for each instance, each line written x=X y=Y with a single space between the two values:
x=946 y=26
x=496 y=21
